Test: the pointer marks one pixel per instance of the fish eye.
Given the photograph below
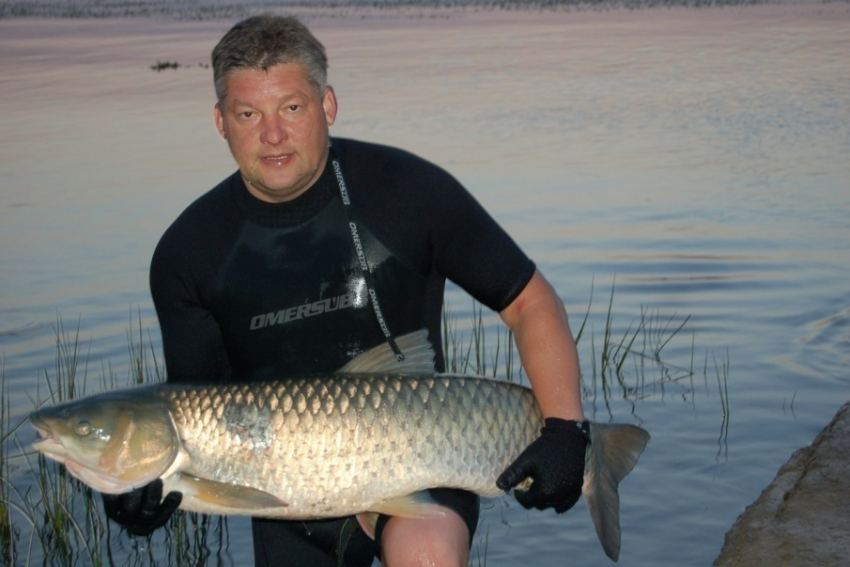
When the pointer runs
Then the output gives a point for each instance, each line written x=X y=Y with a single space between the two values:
x=84 y=428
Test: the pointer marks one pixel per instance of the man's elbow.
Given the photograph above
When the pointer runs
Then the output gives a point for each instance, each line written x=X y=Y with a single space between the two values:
x=537 y=294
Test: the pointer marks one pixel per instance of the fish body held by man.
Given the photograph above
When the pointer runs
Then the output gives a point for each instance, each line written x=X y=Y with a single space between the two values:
x=369 y=439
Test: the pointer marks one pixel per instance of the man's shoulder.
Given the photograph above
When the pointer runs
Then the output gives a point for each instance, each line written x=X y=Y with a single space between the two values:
x=209 y=207
x=358 y=153
x=384 y=167
x=203 y=221
x=361 y=148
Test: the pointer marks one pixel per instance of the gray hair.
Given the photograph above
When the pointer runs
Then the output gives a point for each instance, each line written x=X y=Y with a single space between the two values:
x=261 y=42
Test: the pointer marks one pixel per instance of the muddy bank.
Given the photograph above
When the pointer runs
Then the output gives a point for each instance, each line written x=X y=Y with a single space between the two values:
x=803 y=517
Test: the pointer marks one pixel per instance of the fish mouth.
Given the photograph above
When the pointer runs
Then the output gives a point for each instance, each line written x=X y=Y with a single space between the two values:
x=48 y=443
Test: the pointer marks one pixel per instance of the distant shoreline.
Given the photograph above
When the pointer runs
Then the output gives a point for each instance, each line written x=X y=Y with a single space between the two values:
x=436 y=9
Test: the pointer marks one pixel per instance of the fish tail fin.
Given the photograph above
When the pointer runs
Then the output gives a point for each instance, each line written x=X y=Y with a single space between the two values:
x=611 y=455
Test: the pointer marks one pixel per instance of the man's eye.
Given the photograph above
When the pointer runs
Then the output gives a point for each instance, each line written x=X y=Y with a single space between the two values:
x=294 y=107
x=246 y=114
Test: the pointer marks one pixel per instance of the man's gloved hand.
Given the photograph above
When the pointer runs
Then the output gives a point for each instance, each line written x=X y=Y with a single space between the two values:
x=142 y=510
x=555 y=462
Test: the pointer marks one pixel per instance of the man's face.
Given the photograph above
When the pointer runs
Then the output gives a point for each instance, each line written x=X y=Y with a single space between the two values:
x=276 y=124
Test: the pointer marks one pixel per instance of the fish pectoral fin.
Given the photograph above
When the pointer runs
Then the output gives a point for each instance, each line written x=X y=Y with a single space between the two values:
x=223 y=495
x=368 y=522
x=418 y=357
x=415 y=505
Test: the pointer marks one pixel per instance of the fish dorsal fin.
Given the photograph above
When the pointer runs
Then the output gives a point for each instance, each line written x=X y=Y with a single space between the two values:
x=417 y=351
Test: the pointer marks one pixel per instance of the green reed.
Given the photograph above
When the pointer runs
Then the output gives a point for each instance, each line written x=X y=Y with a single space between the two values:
x=6 y=541
x=641 y=343
x=56 y=520
x=473 y=355
x=60 y=520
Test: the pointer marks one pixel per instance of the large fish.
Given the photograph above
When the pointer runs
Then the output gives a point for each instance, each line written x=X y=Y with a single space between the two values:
x=368 y=439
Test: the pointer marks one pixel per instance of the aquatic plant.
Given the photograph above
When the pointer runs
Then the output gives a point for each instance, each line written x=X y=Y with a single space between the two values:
x=62 y=519
x=47 y=513
x=7 y=550
x=164 y=65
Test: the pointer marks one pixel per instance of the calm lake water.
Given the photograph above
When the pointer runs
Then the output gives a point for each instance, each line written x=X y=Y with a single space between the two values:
x=699 y=158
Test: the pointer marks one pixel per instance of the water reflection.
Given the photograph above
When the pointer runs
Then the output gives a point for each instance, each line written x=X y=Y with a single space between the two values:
x=46 y=505
x=698 y=157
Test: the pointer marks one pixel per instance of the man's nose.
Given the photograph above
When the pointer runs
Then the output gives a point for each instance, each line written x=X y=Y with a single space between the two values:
x=274 y=130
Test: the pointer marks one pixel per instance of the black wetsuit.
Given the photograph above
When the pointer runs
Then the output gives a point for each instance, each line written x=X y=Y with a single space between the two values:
x=247 y=290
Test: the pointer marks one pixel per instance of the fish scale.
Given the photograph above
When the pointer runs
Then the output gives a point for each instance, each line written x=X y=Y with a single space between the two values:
x=368 y=439
x=441 y=431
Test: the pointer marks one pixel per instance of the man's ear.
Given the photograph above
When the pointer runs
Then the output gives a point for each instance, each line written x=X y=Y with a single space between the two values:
x=218 y=119
x=330 y=105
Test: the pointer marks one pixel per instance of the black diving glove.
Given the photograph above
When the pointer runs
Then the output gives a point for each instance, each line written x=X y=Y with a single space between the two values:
x=555 y=463
x=142 y=510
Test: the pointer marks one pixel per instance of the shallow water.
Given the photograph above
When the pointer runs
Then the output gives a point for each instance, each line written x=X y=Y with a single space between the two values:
x=699 y=158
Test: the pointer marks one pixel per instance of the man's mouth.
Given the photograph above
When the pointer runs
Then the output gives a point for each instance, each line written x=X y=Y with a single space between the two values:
x=277 y=159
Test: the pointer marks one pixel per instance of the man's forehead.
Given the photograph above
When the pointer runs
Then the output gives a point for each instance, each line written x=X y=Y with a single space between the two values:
x=283 y=81
x=292 y=69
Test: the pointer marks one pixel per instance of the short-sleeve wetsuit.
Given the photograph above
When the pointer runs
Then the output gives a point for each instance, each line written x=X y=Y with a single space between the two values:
x=247 y=290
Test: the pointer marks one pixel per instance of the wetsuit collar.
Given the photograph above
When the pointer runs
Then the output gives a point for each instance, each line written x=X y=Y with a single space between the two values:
x=290 y=213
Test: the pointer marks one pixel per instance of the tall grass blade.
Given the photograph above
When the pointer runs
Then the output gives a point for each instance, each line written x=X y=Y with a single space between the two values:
x=7 y=549
x=58 y=521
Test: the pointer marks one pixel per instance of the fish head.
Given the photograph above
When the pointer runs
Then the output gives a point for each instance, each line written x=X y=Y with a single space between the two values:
x=113 y=442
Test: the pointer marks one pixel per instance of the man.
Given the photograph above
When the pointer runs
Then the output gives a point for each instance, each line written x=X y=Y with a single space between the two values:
x=316 y=250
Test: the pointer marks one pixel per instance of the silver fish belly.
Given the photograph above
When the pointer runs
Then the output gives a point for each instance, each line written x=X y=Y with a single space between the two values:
x=336 y=446
x=368 y=439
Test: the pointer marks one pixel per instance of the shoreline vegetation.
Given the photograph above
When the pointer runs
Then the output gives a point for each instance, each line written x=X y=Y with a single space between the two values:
x=234 y=9
x=45 y=513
